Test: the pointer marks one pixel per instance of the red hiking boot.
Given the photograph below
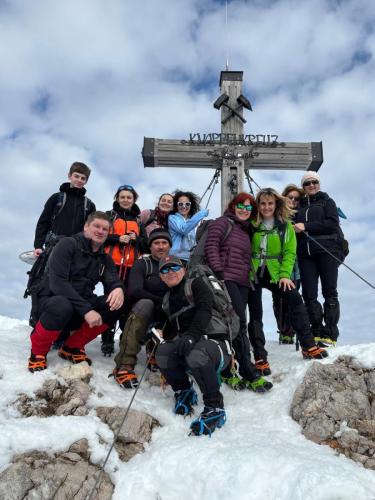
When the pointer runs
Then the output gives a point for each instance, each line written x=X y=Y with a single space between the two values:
x=263 y=367
x=37 y=363
x=315 y=352
x=74 y=355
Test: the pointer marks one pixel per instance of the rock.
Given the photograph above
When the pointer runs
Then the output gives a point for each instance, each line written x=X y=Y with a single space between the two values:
x=135 y=432
x=335 y=405
x=80 y=371
x=60 y=476
x=56 y=398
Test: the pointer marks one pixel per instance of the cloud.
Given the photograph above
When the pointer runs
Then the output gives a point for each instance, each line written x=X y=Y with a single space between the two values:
x=87 y=80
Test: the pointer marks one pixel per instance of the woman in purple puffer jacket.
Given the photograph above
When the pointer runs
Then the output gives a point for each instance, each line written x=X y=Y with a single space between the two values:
x=229 y=255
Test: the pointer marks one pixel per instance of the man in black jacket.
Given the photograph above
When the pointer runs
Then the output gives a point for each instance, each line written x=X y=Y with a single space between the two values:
x=190 y=349
x=65 y=212
x=146 y=289
x=67 y=299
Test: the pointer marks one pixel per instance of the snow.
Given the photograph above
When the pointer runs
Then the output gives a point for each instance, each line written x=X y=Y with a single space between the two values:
x=260 y=453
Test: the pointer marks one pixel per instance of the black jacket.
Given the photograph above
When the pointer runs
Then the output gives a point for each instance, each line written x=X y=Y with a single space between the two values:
x=133 y=214
x=69 y=221
x=74 y=270
x=195 y=320
x=145 y=282
x=319 y=214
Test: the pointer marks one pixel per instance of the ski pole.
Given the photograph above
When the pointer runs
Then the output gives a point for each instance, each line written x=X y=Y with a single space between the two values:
x=338 y=260
x=98 y=479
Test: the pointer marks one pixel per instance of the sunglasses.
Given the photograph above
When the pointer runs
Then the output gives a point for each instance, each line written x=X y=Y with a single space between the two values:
x=308 y=183
x=184 y=205
x=174 y=269
x=241 y=206
x=294 y=198
x=125 y=187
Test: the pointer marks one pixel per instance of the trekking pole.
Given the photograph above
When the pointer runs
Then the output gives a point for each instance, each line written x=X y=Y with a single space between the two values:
x=124 y=258
x=98 y=479
x=338 y=260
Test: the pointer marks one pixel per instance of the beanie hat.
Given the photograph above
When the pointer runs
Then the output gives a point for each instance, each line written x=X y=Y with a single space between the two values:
x=310 y=175
x=159 y=234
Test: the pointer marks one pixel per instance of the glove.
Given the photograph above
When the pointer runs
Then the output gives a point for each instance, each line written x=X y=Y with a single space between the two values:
x=184 y=345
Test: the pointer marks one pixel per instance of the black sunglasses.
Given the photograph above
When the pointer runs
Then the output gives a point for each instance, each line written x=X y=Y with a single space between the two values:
x=294 y=198
x=307 y=183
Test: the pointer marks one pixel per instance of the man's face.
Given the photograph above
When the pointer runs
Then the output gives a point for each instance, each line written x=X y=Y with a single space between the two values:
x=173 y=277
x=77 y=180
x=96 y=231
x=159 y=248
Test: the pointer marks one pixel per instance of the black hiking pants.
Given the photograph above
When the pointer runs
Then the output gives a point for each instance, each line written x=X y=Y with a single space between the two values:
x=298 y=315
x=205 y=361
x=324 y=267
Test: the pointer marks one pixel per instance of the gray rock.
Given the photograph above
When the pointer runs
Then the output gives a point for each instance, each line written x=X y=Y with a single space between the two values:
x=38 y=476
x=335 y=405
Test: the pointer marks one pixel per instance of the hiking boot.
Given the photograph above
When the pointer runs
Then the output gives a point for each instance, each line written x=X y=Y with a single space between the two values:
x=37 y=363
x=259 y=385
x=185 y=399
x=315 y=352
x=208 y=421
x=263 y=367
x=108 y=343
x=74 y=355
x=286 y=339
x=326 y=342
x=235 y=382
x=126 y=378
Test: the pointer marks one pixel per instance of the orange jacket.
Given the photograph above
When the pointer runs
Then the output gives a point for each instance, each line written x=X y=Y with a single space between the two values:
x=123 y=254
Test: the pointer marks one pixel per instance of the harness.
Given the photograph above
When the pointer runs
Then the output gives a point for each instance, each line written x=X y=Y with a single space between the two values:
x=263 y=257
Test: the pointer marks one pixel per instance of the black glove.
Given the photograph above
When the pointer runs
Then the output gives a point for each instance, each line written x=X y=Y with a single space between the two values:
x=184 y=345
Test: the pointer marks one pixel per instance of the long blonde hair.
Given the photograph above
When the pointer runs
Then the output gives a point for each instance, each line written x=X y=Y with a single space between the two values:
x=282 y=212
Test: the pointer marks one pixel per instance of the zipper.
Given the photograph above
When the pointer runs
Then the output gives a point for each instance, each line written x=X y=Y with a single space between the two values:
x=306 y=220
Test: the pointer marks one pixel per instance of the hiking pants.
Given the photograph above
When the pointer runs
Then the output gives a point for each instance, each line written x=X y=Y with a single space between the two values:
x=57 y=313
x=142 y=315
x=325 y=267
x=205 y=361
x=298 y=315
x=238 y=295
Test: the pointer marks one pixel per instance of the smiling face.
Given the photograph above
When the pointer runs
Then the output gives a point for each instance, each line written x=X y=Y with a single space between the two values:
x=166 y=203
x=293 y=198
x=243 y=210
x=97 y=231
x=125 y=199
x=173 y=278
x=267 y=206
x=183 y=206
x=77 y=180
x=311 y=187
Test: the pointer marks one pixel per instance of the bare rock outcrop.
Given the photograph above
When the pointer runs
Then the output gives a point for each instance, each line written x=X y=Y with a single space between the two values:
x=134 y=434
x=335 y=405
x=38 y=475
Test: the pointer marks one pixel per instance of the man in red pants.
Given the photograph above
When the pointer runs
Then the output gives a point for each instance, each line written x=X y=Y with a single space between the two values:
x=67 y=300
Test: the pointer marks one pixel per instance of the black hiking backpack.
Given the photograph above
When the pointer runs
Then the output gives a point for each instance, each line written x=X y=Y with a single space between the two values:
x=225 y=323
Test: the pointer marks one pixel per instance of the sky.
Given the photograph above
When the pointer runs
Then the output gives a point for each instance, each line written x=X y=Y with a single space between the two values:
x=260 y=452
x=86 y=80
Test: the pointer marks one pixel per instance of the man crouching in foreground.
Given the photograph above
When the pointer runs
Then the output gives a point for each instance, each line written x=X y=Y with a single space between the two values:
x=190 y=349
x=67 y=299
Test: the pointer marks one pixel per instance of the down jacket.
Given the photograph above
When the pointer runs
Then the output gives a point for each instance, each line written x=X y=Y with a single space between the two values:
x=230 y=257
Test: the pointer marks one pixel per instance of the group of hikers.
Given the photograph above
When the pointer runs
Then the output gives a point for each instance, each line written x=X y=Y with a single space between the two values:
x=189 y=310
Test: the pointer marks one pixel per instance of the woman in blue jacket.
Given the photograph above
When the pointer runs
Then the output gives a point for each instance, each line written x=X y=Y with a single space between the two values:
x=183 y=222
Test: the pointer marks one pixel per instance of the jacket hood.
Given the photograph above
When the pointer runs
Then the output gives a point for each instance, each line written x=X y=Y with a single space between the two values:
x=320 y=195
x=134 y=211
x=66 y=188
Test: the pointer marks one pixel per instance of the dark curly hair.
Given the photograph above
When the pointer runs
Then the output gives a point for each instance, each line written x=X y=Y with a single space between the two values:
x=240 y=198
x=193 y=198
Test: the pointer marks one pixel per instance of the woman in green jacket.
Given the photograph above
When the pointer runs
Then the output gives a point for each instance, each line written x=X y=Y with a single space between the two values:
x=274 y=254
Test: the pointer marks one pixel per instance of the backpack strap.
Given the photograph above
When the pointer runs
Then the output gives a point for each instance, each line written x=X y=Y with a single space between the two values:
x=150 y=219
x=189 y=295
x=59 y=205
x=148 y=263
x=229 y=229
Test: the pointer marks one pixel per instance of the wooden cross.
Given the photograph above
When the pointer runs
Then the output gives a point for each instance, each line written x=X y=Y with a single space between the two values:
x=232 y=152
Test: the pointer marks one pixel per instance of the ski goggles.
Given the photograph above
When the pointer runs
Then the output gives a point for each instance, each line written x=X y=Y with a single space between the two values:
x=181 y=204
x=241 y=206
x=308 y=183
x=175 y=268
